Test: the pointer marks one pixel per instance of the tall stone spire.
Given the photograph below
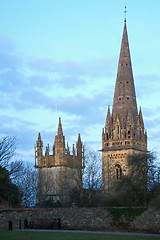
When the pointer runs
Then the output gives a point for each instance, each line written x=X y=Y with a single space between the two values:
x=124 y=131
x=124 y=123
x=124 y=95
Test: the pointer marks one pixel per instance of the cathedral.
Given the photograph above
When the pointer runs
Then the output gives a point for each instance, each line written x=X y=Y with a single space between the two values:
x=124 y=132
x=59 y=171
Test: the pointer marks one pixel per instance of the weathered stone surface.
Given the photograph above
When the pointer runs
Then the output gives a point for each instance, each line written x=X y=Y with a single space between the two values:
x=71 y=218
x=82 y=218
x=149 y=220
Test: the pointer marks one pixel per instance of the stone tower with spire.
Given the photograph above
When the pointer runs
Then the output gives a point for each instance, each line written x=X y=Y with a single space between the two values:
x=59 y=171
x=124 y=131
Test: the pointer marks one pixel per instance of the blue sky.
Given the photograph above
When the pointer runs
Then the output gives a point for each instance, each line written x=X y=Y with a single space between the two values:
x=58 y=58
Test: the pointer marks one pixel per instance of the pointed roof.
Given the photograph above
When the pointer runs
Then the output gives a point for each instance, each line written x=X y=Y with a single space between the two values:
x=108 y=118
x=124 y=95
x=60 y=131
x=59 y=138
x=79 y=139
x=39 y=140
x=39 y=137
x=141 y=118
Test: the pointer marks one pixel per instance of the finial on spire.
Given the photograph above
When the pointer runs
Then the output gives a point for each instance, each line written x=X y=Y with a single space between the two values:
x=39 y=136
x=59 y=123
x=79 y=139
x=39 y=140
x=60 y=131
x=125 y=11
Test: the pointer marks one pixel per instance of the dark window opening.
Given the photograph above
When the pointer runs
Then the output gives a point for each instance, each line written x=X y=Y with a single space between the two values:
x=118 y=128
x=107 y=136
x=118 y=172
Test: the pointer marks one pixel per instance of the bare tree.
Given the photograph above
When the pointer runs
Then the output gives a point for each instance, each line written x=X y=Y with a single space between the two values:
x=92 y=172
x=7 y=154
x=7 y=150
x=27 y=181
x=24 y=177
x=89 y=194
x=15 y=168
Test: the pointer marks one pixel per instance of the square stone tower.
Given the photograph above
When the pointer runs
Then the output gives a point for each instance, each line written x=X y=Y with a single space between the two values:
x=59 y=171
x=124 y=132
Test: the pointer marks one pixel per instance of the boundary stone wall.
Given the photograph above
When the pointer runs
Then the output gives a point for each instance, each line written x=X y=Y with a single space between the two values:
x=149 y=221
x=82 y=219
x=71 y=218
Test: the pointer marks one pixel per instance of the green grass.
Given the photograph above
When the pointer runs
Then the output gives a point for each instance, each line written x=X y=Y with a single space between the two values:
x=13 y=235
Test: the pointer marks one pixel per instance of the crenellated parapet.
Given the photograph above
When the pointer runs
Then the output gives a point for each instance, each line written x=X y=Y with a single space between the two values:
x=59 y=154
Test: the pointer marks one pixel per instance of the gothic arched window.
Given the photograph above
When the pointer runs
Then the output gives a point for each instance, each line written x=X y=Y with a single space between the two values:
x=118 y=171
x=118 y=128
x=107 y=136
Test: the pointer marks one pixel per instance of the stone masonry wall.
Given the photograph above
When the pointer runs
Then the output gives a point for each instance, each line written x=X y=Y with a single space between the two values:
x=83 y=219
x=71 y=218
x=148 y=221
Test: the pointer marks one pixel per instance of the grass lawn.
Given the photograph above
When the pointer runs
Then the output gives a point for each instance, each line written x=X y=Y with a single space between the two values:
x=13 y=235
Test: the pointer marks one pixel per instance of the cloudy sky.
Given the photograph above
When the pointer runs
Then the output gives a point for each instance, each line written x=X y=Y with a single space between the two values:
x=58 y=58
